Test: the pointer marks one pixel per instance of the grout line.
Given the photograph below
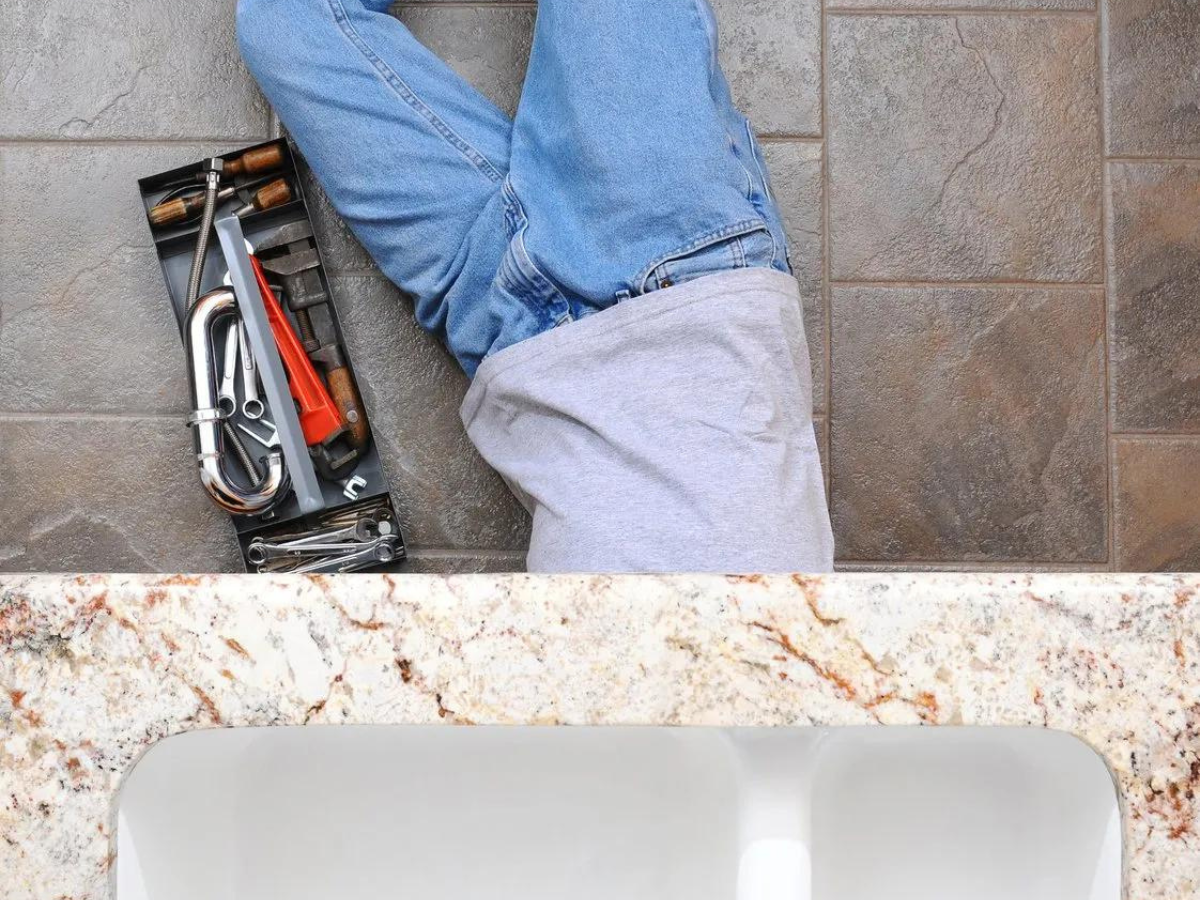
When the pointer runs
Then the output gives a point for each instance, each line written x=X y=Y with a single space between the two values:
x=956 y=11
x=1161 y=160
x=1008 y=566
x=954 y=285
x=453 y=553
x=1183 y=436
x=826 y=242
x=128 y=142
x=1105 y=317
x=19 y=416
x=849 y=566
x=791 y=138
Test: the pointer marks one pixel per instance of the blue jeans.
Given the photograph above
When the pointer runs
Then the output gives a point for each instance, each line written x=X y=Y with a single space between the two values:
x=626 y=169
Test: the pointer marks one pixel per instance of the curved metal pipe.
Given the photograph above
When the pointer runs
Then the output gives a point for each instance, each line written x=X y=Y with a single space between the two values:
x=206 y=419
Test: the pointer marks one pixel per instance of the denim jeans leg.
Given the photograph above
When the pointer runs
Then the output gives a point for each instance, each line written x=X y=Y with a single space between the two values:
x=634 y=169
x=411 y=155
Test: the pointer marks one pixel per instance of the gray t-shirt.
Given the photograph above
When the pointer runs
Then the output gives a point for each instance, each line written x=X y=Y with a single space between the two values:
x=670 y=433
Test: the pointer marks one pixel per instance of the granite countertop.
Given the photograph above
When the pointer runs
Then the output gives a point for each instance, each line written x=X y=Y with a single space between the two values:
x=95 y=669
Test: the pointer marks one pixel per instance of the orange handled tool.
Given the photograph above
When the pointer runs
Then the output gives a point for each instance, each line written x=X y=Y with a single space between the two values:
x=319 y=416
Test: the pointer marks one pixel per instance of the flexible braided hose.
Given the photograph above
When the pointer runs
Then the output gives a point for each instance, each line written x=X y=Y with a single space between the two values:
x=212 y=186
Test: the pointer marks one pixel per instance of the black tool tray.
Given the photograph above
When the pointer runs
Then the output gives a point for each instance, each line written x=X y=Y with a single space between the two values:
x=362 y=487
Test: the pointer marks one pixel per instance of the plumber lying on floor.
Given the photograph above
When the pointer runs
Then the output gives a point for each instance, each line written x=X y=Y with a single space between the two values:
x=609 y=267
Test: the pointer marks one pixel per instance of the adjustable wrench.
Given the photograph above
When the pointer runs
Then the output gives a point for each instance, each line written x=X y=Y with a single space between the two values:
x=226 y=396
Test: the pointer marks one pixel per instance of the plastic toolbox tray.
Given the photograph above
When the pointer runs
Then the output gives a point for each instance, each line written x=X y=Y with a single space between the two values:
x=312 y=502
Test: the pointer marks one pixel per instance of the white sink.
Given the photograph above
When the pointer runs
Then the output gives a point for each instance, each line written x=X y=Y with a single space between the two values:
x=524 y=813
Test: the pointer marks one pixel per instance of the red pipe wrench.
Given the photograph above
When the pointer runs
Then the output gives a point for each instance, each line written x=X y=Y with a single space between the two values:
x=319 y=416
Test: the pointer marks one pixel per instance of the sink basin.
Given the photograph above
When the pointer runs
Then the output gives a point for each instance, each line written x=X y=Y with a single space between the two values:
x=528 y=813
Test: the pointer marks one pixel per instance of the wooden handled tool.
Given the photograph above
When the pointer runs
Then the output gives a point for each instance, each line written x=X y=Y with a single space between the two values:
x=276 y=193
x=344 y=393
x=256 y=162
x=181 y=209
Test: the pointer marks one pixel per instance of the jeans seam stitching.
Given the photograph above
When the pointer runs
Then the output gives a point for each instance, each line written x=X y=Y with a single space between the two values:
x=762 y=173
x=536 y=281
x=742 y=227
x=401 y=88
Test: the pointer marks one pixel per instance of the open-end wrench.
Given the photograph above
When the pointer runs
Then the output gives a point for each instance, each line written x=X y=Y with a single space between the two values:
x=252 y=406
x=382 y=551
x=265 y=553
x=227 y=396
x=347 y=536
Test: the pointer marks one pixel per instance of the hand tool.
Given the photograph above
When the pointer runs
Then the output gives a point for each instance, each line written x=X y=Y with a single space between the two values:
x=252 y=162
x=271 y=441
x=362 y=529
x=319 y=417
x=276 y=193
x=257 y=161
x=350 y=540
x=260 y=553
x=344 y=393
x=382 y=551
x=209 y=425
x=227 y=396
x=180 y=209
x=297 y=268
x=175 y=210
x=252 y=405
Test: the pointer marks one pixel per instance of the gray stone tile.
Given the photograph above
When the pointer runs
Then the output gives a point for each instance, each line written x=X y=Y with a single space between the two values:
x=1153 y=77
x=452 y=563
x=85 y=323
x=956 y=567
x=964 y=4
x=446 y=496
x=968 y=424
x=964 y=148
x=795 y=170
x=125 y=69
x=771 y=54
x=1154 y=296
x=1156 y=504
x=107 y=495
x=489 y=47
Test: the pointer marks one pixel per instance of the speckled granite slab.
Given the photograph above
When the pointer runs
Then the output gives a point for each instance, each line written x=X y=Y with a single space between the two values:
x=93 y=670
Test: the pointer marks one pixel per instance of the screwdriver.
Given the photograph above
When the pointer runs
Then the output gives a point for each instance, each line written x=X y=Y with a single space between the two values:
x=181 y=209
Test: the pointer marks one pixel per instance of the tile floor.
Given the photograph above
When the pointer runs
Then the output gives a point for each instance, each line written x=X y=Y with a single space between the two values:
x=994 y=207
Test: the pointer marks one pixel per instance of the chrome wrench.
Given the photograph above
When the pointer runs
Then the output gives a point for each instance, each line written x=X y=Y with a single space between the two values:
x=378 y=553
x=252 y=405
x=320 y=542
x=226 y=396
